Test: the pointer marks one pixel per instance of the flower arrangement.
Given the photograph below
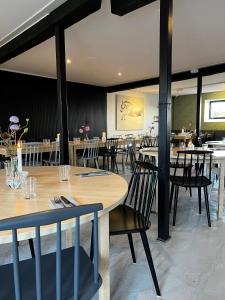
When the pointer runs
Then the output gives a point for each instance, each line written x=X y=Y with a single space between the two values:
x=13 y=135
x=84 y=129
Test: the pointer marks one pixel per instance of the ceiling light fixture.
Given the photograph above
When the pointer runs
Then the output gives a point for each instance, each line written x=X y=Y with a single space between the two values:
x=68 y=61
x=119 y=74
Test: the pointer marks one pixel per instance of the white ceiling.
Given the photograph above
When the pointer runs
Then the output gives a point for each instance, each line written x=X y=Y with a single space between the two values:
x=103 y=44
x=15 y=17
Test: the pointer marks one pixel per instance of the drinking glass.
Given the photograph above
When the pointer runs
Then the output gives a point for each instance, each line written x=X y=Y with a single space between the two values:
x=8 y=168
x=64 y=173
x=29 y=187
x=205 y=146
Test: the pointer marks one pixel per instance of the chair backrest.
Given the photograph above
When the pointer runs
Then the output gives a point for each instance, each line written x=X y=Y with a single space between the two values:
x=54 y=156
x=130 y=142
x=46 y=218
x=148 y=141
x=112 y=144
x=33 y=154
x=142 y=189
x=196 y=165
x=129 y=135
x=132 y=156
x=91 y=149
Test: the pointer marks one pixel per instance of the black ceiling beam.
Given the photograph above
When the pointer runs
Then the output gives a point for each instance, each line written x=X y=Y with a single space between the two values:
x=67 y=14
x=121 y=8
x=212 y=70
x=205 y=71
x=148 y=82
x=132 y=85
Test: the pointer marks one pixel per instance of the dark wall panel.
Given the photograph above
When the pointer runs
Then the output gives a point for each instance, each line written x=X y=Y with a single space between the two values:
x=35 y=97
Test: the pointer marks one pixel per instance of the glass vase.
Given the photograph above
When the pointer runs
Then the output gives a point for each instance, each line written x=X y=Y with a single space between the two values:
x=13 y=179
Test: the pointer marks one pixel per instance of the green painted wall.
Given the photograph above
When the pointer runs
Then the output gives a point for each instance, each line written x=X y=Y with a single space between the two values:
x=184 y=112
x=212 y=125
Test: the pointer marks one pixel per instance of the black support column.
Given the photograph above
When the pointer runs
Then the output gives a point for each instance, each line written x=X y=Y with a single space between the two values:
x=166 y=10
x=62 y=94
x=199 y=105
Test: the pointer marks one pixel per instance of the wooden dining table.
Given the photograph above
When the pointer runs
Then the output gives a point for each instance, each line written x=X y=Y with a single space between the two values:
x=218 y=157
x=74 y=146
x=109 y=190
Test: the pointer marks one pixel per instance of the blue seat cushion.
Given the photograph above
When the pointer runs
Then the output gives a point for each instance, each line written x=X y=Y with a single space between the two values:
x=87 y=288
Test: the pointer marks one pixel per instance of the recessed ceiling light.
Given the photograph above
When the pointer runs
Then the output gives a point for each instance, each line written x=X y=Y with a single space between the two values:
x=68 y=61
x=119 y=74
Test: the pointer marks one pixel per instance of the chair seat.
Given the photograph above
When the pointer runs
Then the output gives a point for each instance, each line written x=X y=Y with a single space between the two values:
x=199 y=181
x=50 y=163
x=174 y=165
x=87 y=288
x=124 y=219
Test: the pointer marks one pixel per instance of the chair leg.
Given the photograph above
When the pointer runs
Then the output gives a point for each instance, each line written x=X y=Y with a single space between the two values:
x=131 y=247
x=91 y=246
x=199 y=201
x=103 y=162
x=117 y=171
x=85 y=163
x=31 y=245
x=150 y=261
x=108 y=163
x=96 y=163
x=171 y=195
x=190 y=191
x=207 y=205
x=175 y=205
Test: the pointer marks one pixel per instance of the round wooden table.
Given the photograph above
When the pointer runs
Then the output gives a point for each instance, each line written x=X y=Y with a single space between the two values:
x=109 y=190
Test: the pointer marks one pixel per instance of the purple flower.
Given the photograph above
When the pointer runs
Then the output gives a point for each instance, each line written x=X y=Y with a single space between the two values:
x=81 y=130
x=14 y=127
x=87 y=128
x=14 y=119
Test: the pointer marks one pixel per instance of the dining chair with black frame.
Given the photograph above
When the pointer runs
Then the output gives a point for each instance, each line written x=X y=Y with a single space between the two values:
x=65 y=274
x=109 y=152
x=197 y=167
x=133 y=216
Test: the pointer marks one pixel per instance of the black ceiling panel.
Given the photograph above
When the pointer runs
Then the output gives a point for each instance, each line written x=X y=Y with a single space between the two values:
x=122 y=7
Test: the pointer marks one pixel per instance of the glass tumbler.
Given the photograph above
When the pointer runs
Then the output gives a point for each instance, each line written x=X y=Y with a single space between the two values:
x=64 y=173
x=205 y=146
x=29 y=187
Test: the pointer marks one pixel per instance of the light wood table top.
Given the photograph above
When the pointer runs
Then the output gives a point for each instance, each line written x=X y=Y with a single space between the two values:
x=108 y=190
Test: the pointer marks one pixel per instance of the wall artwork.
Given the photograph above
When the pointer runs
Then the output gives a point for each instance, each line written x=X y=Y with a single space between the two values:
x=129 y=112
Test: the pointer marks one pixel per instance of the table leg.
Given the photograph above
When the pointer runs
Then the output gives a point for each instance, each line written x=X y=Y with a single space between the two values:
x=71 y=155
x=104 y=291
x=221 y=190
x=74 y=155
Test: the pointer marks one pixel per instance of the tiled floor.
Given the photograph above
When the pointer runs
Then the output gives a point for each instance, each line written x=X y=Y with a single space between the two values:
x=190 y=266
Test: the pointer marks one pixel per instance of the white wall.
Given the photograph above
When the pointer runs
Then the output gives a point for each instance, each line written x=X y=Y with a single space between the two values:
x=151 y=110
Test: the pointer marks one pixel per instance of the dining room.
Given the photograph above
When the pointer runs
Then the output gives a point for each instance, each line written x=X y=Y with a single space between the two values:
x=112 y=150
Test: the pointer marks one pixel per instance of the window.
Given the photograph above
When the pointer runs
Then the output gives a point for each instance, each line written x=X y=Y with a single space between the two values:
x=214 y=110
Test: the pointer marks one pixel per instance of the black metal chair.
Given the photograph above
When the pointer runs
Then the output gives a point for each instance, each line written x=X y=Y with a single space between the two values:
x=133 y=216
x=196 y=168
x=62 y=275
x=110 y=152
x=127 y=151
